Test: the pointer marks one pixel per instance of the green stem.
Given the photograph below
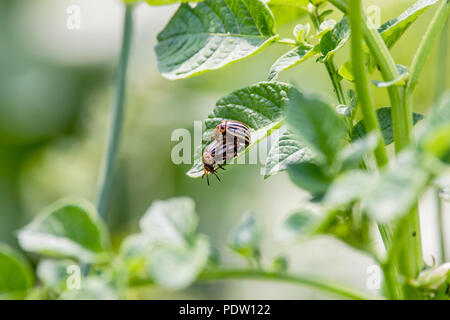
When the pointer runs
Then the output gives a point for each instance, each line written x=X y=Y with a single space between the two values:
x=432 y=33
x=439 y=210
x=106 y=176
x=258 y=274
x=329 y=64
x=401 y=118
x=362 y=82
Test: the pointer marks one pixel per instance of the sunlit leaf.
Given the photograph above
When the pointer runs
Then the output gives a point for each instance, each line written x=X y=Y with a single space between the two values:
x=246 y=236
x=352 y=155
x=176 y=268
x=399 y=81
x=260 y=106
x=335 y=39
x=398 y=189
x=68 y=228
x=172 y=221
x=291 y=58
x=16 y=276
x=286 y=150
x=212 y=35
x=316 y=123
x=350 y=187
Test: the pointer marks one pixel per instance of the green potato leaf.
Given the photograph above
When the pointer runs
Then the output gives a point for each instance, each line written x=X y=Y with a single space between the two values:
x=68 y=228
x=286 y=150
x=16 y=274
x=246 y=236
x=334 y=39
x=385 y=120
x=212 y=35
x=291 y=58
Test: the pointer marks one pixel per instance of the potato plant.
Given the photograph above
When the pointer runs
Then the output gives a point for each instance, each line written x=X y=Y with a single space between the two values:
x=336 y=150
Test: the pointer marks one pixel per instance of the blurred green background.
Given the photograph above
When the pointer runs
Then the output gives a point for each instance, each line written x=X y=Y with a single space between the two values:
x=55 y=93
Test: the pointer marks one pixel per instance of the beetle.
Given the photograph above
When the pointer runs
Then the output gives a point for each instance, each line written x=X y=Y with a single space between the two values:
x=215 y=154
x=234 y=130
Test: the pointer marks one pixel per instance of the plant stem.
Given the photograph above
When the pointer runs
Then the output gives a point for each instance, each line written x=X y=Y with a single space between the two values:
x=329 y=64
x=259 y=274
x=109 y=161
x=433 y=31
x=440 y=218
x=362 y=82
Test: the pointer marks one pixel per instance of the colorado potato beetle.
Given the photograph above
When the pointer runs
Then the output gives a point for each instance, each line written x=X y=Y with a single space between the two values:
x=214 y=156
x=232 y=131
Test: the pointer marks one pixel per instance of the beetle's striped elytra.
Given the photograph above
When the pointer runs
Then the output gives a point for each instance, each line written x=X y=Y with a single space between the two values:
x=229 y=137
x=228 y=131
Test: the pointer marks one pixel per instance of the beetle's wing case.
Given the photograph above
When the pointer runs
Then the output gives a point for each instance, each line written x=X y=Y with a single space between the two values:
x=239 y=130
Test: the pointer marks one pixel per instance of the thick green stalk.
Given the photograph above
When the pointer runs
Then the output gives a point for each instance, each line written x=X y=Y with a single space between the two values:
x=106 y=176
x=362 y=82
x=401 y=118
x=325 y=285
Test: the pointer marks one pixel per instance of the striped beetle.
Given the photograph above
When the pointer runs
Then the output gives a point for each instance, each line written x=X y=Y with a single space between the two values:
x=232 y=129
x=214 y=156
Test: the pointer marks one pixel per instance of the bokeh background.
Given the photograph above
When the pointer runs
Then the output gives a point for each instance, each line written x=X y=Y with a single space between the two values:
x=55 y=93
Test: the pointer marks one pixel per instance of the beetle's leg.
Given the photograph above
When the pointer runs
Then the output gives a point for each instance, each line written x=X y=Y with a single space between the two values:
x=217 y=176
x=207 y=179
x=220 y=166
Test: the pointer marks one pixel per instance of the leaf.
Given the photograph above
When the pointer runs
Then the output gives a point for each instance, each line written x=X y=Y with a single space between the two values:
x=212 y=35
x=349 y=187
x=399 y=81
x=310 y=177
x=348 y=110
x=260 y=106
x=93 y=288
x=397 y=190
x=161 y=2
x=291 y=58
x=16 y=274
x=303 y=4
x=393 y=29
x=385 y=120
x=172 y=221
x=286 y=150
x=434 y=136
x=298 y=226
x=316 y=124
x=134 y=254
x=280 y=264
x=334 y=39
x=246 y=236
x=345 y=71
x=53 y=273
x=68 y=228
x=176 y=268
x=352 y=155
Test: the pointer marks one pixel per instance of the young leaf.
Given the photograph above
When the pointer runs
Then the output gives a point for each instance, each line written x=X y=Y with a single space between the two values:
x=334 y=39
x=352 y=155
x=286 y=150
x=347 y=110
x=260 y=106
x=16 y=274
x=398 y=189
x=54 y=273
x=161 y=2
x=399 y=81
x=392 y=30
x=350 y=187
x=176 y=268
x=298 y=226
x=212 y=35
x=246 y=236
x=385 y=120
x=346 y=71
x=172 y=221
x=292 y=58
x=68 y=228
x=435 y=134
x=316 y=123
x=310 y=177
